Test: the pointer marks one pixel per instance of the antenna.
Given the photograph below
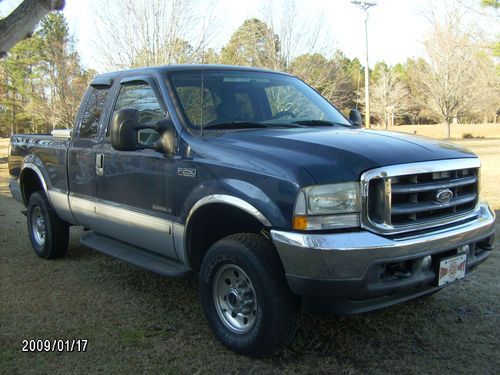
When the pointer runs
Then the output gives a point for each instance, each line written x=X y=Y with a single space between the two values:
x=202 y=77
x=202 y=95
x=364 y=6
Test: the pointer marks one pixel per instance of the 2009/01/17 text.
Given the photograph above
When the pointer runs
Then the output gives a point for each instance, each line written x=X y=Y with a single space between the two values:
x=54 y=345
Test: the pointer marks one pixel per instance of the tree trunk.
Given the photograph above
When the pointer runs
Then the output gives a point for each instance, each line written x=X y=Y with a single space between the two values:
x=13 y=123
x=22 y=21
x=448 y=130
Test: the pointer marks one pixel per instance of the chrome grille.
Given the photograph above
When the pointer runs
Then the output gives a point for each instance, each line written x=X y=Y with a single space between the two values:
x=409 y=197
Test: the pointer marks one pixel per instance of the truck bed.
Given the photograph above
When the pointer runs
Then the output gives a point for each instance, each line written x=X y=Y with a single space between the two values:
x=46 y=150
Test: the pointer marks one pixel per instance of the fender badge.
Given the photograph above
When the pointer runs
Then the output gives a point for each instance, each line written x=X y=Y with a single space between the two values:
x=186 y=172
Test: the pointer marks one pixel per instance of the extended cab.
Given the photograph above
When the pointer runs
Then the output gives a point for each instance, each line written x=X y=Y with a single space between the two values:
x=255 y=181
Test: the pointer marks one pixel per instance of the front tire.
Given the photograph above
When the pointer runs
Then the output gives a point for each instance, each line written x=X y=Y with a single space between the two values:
x=49 y=235
x=245 y=296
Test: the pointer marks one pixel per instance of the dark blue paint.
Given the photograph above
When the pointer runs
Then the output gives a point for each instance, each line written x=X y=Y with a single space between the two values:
x=265 y=168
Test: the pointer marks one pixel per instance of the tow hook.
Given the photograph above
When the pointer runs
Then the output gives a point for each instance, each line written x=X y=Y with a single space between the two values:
x=399 y=271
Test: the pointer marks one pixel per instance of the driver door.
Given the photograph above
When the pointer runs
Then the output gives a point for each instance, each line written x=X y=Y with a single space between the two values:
x=134 y=202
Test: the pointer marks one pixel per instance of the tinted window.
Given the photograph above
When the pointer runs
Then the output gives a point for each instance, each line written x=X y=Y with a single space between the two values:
x=240 y=98
x=89 y=125
x=142 y=98
x=287 y=101
x=191 y=98
x=244 y=102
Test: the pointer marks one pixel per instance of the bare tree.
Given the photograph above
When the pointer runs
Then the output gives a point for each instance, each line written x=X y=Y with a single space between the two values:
x=300 y=31
x=283 y=32
x=451 y=80
x=485 y=106
x=389 y=96
x=133 y=34
x=22 y=21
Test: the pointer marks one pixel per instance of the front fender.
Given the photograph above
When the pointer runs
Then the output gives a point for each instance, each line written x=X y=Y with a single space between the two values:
x=237 y=193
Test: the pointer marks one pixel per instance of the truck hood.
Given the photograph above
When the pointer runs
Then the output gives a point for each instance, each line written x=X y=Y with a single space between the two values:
x=337 y=154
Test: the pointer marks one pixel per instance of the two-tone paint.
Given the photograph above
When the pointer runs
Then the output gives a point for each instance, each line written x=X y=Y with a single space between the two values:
x=147 y=198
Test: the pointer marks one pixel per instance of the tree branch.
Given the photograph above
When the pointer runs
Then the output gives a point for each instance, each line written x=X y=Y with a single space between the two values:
x=22 y=21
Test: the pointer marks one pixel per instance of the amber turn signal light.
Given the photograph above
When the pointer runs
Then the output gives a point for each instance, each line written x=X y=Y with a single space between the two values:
x=300 y=222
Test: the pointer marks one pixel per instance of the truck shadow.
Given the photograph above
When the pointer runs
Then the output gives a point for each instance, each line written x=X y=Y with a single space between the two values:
x=424 y=333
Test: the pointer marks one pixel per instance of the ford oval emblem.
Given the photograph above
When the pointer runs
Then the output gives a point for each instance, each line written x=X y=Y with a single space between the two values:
x=443 y=196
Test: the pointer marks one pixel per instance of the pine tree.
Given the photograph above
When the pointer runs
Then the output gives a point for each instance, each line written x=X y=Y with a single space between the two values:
x=41 y=81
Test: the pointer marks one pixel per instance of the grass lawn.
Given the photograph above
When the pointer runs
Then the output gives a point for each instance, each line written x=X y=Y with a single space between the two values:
x=138 y=322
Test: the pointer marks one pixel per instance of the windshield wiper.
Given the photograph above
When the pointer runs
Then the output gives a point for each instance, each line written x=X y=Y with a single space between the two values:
x=236 y=125
x=245 y=125
x=319 y=123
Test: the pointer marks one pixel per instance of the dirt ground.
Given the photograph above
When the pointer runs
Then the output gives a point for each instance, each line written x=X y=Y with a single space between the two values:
x=138 y=322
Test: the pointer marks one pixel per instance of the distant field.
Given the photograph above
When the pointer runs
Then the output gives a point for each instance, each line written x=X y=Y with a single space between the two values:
x=457 y=131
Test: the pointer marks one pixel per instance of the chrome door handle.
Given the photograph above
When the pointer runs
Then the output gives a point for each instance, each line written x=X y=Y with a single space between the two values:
x=99 y=164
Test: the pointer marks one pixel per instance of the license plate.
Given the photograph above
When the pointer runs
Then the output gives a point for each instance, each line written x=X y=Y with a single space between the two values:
x=452 y=269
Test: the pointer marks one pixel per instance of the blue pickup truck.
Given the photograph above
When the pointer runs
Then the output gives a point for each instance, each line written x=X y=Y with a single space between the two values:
x=252 y=179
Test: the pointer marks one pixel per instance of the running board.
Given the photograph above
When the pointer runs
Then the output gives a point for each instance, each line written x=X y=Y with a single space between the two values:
x=135 y=255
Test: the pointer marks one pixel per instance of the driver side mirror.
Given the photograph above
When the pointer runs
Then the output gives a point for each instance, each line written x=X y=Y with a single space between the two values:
x=127 y=133
x=355 y=118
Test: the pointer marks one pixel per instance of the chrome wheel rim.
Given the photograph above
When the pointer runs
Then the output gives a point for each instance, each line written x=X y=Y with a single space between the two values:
x=234 y=298
x=38 y=227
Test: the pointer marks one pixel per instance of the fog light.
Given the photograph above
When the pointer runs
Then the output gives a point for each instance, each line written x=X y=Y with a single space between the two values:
x=426 y=262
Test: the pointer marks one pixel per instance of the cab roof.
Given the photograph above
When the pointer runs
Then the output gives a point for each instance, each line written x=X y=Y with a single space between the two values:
x=104 y=78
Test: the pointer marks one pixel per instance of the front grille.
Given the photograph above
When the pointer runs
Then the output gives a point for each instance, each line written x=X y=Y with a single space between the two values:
x=415 y=196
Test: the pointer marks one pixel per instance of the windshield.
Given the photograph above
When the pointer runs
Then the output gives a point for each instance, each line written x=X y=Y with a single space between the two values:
x=225 y=100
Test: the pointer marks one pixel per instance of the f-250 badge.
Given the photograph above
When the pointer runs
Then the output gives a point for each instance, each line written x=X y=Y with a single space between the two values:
x=186 y=172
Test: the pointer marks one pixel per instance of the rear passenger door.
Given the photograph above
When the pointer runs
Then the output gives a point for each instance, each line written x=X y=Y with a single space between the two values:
x=82 y=155
x=133 y=187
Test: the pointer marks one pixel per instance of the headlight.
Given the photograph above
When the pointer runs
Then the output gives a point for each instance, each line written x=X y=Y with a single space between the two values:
x=327 y=207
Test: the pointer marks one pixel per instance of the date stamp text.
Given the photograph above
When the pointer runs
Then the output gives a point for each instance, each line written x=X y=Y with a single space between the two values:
x=54 y=345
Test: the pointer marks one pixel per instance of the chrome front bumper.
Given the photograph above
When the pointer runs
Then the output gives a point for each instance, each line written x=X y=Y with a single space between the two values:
x=348 y=265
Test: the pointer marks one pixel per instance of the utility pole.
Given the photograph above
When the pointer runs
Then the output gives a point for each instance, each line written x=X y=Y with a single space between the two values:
x=364 y=6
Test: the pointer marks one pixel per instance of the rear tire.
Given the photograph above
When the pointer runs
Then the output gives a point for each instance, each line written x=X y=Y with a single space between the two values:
x=245 y=296
x=49 y=235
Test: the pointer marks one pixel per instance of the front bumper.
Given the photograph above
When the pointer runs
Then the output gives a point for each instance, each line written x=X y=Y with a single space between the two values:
x=351 y=272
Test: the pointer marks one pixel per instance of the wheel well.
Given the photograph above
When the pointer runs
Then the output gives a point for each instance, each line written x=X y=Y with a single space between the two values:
x=30 y=182
x=212 y=222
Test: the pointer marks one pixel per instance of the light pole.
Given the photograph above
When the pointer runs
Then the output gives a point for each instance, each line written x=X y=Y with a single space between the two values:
x=364 y=5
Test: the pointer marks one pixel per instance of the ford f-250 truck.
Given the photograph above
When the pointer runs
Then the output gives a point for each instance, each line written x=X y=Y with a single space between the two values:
x=254 y=180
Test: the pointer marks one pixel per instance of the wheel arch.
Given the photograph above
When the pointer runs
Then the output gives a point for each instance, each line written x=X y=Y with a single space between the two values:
x=214 y=217
x=31 y=180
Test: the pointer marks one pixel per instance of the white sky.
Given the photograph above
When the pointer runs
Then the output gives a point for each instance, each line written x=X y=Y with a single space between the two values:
x=396 y=27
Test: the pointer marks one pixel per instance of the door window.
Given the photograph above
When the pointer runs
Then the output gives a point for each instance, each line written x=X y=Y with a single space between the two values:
x=92 y=112
x=142 y=98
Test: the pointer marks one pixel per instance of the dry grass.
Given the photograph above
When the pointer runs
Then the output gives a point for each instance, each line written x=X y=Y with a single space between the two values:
x=458 y=131
x=489 y=152
x=138 y=322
